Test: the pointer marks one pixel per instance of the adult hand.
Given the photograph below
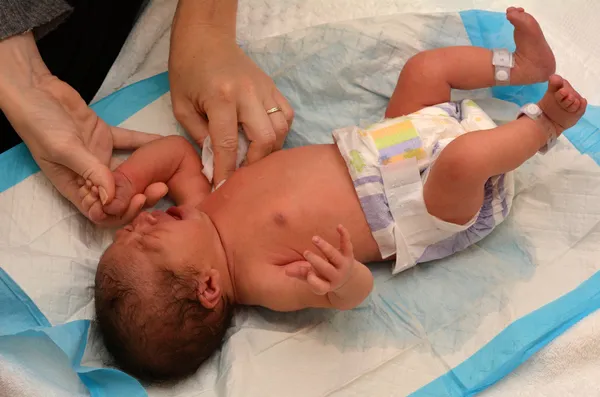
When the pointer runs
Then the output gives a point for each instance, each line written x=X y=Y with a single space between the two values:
x=68 y=141
x=215 y=87
x=66 y=138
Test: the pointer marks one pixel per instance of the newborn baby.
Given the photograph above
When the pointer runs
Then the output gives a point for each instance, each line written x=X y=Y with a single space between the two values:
x=426 y=182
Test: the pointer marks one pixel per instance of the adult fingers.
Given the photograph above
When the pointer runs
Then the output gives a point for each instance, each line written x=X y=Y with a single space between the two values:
x=194 y=124
x=130 y=139
x=222 y=127
x=258 y=128
x=279 y=123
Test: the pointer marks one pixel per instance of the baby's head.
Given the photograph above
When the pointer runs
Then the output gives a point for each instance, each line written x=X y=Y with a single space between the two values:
x=163 y=295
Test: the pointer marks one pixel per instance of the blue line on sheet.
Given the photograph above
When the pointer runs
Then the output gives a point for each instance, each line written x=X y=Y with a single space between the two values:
x=17 y=310
x=121 y=105
x=107 y=382
x=585 y=136
x=17 y=164
x=18 y=313
x=23 y=323
x=516 y=343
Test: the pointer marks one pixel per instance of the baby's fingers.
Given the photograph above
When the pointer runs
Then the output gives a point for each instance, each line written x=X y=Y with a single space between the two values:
x=317 y=284
x=98 y=216
x=345 y=243
x=333 y=255
x=135 y=206
x=304 y=271
x=298 y=270
x=323 y=268
x=154 y=193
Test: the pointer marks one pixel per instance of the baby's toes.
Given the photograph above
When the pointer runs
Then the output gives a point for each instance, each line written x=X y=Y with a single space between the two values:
x=568 y=101
x=574 y=106
x=560 y=95
x=582 y=106
x=568 y=87
x=555 y=83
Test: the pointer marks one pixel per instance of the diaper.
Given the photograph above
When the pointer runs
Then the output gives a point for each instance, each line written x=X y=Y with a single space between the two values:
x=389 y=163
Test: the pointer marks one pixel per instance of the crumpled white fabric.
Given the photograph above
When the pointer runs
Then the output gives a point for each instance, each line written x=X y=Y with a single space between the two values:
x=208 y=156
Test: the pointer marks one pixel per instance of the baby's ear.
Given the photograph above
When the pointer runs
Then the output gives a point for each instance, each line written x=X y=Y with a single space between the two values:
x=209 y=290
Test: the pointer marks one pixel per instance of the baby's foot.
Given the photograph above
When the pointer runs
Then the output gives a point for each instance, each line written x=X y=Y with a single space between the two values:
x=533 y=57
x=562 y=106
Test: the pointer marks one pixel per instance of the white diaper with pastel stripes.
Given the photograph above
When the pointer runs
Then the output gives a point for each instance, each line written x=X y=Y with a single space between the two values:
x=389 y=163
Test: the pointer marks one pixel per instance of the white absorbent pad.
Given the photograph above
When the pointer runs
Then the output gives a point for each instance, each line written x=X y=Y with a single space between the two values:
x=450 y=328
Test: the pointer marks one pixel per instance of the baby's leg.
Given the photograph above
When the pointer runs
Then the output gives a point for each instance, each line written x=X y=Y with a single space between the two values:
x=427 y=78
x=454 y=189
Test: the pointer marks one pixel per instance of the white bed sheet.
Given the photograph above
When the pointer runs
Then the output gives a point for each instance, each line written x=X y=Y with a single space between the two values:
x=393 y=345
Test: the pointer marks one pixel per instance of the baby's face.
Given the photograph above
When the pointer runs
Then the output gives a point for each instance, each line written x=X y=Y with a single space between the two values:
x=177 y=237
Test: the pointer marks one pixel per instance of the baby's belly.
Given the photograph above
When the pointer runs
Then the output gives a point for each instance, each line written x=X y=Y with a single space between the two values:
x=287 y=232
x=279 y=205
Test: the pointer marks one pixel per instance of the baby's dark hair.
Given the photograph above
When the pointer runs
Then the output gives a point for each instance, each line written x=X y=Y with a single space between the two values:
x=157 y=330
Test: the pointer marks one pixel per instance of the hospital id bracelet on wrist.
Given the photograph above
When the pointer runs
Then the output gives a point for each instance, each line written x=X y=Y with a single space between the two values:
x=534 y=112
x=503 y=62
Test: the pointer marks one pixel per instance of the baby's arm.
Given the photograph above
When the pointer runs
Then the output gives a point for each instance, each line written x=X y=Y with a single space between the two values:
x=338 y=282
x=171 y=160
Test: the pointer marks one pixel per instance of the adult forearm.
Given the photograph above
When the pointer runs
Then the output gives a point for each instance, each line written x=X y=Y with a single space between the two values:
x=21 y=66
x=214 y=16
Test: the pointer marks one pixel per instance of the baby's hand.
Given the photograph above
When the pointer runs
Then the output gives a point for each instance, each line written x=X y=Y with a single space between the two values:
x=126 y=195
x=323 y=276
x=124 y=207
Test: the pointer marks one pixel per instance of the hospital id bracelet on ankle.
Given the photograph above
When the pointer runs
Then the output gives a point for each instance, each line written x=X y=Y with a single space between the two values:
x=534 y=112
x=503 y=62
